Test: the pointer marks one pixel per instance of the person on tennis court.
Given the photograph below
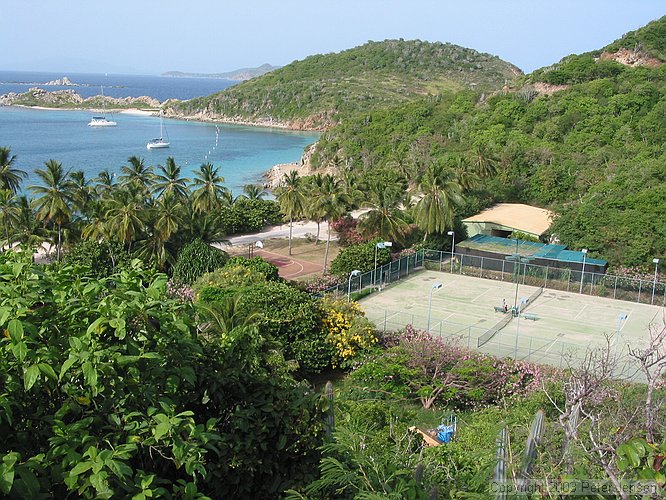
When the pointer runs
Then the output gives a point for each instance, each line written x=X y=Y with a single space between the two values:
x=505 y=306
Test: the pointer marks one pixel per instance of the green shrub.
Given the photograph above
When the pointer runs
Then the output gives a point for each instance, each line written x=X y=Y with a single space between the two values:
x=256 y=264
x=361 y=257
x=291 y=317
x=229 y=277
x=97 y=259
x=356 y=296
x=195 y=259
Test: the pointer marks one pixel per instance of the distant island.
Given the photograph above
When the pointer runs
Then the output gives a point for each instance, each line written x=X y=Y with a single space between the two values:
x=237 y=75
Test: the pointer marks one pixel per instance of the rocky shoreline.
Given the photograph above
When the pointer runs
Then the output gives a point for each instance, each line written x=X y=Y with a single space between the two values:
x=273 y=177
x=37 y=97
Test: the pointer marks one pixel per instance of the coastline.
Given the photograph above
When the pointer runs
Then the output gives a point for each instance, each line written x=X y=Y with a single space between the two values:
x=270 y=179
x=124 y=111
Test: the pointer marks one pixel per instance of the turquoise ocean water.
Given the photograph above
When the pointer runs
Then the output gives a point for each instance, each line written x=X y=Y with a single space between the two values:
x=36 y=136
x=242 y=153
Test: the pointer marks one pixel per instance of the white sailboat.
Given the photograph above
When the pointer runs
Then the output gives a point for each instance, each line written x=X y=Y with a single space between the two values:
x=160 y=142
x=101 y=121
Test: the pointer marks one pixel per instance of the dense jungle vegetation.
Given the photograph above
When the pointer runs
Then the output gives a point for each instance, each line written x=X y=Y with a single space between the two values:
x=123 y=387
x=593 y=152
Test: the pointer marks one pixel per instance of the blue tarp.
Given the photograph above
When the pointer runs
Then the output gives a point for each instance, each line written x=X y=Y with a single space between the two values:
x=531 y=248
x=445 y=433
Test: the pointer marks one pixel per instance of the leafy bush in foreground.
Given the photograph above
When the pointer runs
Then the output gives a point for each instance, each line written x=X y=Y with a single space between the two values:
x=108 y=389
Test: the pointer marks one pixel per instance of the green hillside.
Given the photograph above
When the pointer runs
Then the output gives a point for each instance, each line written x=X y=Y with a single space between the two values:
x=594 y=152
x=313 y=92
x=643 y=47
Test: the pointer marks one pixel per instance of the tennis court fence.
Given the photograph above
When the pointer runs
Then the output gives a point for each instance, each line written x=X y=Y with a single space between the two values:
x=553 y=352
x=381 y=276
x=570 y=280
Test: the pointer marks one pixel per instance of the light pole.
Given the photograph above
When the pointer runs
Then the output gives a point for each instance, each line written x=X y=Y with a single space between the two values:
x=523 y=301
x=453 y=246
x=582 y=274
x=355 y=272
x=436 y=286
x=654 y=284
x=621 y=317
x=380 y=244
x=518 y=260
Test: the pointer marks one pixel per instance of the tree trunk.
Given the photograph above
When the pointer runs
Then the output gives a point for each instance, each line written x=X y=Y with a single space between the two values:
x=328 y=242
x=318 y=228
x=291 y=225
x=59 y=243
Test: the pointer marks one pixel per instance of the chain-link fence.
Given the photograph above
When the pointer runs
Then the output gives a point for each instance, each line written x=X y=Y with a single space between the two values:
x=553 y=352
x=553 y=277
x=381 y=276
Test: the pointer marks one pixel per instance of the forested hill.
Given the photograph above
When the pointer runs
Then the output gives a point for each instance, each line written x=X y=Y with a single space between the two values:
x=314 y=92
x=644 y=47
x=592 y=151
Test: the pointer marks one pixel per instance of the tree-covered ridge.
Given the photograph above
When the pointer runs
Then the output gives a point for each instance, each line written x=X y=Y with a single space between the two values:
x=321 y=87
x=651 y=39
x=644 y=46
x=593 y=153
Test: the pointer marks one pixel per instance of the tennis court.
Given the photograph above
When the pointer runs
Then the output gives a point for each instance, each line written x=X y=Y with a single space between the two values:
x=560 y=324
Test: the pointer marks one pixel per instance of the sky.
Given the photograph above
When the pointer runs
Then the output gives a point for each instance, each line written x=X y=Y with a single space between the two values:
x=211 y=36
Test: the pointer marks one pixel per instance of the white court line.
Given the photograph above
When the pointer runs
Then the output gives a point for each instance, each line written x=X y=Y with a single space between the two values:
x=448 y=317
x=542 y=353
x=625 y=320
x=580 y=312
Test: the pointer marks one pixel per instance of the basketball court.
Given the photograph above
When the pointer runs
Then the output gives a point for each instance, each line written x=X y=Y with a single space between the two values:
x=288 y=266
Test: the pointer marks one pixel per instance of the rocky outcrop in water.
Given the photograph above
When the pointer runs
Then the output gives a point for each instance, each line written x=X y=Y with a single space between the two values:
x=71 y=99
x=62 y=82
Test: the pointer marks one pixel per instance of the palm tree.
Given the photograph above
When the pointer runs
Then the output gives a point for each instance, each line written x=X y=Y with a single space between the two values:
x=291 y=198
x=137 y=175
x=208 y=227
x=105 y=182
x=81 y=191
x=54 y=198
x=28 y=232
x=209 y=190
x=384 y=218
x=350 y=182
x=10 y=177
x=123 y=217
x=9 y=215
x=332 y=202
x=439 y=192
x=464 y=175
x=167 y=216
x=253 y=192
x=484 y=163
x=312 y=208
x=223 y=316
x=169 y=181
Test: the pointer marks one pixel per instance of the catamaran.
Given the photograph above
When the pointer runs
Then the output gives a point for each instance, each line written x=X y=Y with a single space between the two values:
x=101 y=121
x=160 y=142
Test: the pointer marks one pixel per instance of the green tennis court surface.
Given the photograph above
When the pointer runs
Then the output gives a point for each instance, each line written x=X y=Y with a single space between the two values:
x=562 y=325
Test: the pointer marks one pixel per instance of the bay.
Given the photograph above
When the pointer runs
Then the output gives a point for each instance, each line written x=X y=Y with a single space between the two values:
x=242 y=153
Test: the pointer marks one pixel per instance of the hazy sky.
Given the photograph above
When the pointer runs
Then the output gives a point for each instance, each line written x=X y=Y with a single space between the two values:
x=207 y=36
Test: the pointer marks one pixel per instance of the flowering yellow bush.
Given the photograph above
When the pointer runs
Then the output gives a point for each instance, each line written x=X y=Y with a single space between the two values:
x=347 y=329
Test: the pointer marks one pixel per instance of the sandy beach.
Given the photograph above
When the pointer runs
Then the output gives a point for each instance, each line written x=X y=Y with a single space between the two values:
x=123 y=111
